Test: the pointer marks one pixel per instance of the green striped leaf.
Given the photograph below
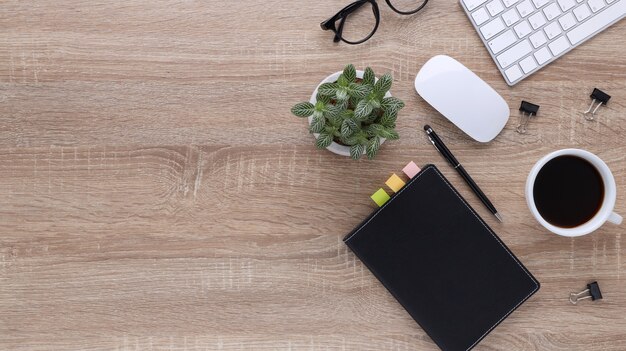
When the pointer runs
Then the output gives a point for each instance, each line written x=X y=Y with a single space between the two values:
x=350 y=73
x=370 y=119
x=358 y=91
x=347 y=114
x=323 y=98
x=374 y=101
x=342 y=81
x=393 y=135
x=351 y=140
x=323 y=140
x=392 y=104
x=303 y=109
x=343 y=105
x=348 y=127
x=368 y=77
x=363 y=109
x=318 y=123
x=388 y=119
x=383 y=85
x=372 y=147
x=333 y=115
x=327 y=89
x=375 y=129
x=342 y=94
x=356 y=151
x=388 y=133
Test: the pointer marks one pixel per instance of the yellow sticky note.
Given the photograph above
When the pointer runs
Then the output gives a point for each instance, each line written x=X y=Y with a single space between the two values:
x=380 y=197
x=394 y=183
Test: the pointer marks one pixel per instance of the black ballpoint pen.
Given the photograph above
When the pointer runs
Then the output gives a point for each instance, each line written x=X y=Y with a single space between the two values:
x=445 y=152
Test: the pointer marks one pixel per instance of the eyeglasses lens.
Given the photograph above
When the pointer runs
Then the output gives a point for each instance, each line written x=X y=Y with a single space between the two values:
x=359 y=24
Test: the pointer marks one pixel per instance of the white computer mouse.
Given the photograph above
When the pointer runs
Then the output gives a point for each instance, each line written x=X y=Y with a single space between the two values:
x=462 y=97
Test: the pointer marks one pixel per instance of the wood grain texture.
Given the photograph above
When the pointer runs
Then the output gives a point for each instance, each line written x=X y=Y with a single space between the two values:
x=158 y=195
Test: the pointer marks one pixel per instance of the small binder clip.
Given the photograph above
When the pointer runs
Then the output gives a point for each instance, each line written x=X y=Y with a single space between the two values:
x=528 y=110
x=593 y=289
x=601 y=98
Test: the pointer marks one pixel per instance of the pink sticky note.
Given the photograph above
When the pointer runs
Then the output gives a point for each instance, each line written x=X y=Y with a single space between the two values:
x=411 y=169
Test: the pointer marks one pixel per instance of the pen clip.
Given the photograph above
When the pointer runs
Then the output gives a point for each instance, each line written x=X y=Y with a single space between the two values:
x=433 y=142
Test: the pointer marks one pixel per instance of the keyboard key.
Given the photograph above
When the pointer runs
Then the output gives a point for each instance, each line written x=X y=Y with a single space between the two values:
x=540 y=3
x=525 y=8
x=480 y=16
x=552 y=11
x=502 y=42
x=538 y=39
x=559 y=45
x=528 y=64
x=537 y=20
x=597 y=22
x=495 y=7
x=567 y=21
x=522 y=29
x=510 y=17
x=513 y=73
x=542 y=55
x=582 y=12
x=514 y=53
x=509 y=3
x=492 y=28
x=552 y=30
x=472 y=4
x=566 y=4
x=596 y=5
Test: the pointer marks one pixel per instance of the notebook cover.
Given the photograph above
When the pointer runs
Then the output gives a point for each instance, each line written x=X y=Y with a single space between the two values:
x=442 y=262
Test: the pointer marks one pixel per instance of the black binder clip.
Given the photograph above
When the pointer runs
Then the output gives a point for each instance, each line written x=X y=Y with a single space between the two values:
x=528 y=110
x=593 y=289
x=601 y=98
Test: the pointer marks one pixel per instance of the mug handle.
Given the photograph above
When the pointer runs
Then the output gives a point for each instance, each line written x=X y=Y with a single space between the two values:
x=615 y=218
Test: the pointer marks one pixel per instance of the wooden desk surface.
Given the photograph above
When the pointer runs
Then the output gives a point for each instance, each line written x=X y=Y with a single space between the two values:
x=158 y=195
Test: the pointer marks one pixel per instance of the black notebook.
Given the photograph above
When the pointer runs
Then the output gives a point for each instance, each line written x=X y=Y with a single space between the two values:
x=442 y=262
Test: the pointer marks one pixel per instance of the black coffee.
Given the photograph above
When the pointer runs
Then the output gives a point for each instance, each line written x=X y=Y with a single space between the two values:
x=568 y=191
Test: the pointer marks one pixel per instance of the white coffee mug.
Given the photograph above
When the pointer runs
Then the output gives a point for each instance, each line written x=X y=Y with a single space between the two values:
x=606 y=210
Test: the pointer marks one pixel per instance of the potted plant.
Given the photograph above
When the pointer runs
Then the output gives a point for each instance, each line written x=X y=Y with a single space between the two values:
x=352 y=112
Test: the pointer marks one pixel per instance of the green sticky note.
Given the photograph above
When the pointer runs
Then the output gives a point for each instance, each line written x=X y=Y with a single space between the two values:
x=380 y=197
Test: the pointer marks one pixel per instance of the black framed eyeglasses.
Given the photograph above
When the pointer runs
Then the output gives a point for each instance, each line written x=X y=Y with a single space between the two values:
x=357 y=22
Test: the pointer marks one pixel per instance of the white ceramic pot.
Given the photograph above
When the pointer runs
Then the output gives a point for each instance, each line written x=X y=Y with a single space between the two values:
x=334 y=147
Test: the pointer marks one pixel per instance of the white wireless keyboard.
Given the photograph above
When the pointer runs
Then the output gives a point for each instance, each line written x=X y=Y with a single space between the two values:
x=523 y=36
